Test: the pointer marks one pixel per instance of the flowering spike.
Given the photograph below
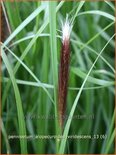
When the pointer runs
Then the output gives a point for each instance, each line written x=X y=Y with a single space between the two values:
x=64 y=69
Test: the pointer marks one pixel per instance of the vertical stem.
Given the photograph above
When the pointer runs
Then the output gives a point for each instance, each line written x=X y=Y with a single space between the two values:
x=53 y=43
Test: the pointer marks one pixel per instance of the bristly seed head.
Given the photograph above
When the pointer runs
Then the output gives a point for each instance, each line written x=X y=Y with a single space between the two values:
x=66 y=29
x=64 y=69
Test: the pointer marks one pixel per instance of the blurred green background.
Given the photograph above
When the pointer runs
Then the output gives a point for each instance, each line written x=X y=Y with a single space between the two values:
x=30 y=60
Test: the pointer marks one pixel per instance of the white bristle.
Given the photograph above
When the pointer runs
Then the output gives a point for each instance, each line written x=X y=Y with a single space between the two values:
x=66 y=29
